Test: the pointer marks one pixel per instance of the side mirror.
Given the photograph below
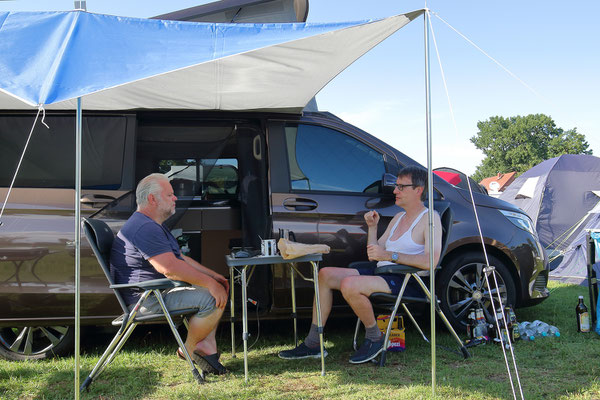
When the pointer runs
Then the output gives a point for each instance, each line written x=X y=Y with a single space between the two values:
x=388 y=183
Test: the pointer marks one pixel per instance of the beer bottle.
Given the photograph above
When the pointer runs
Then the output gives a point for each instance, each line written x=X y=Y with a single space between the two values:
x=583 y=317
x=472 y=323
x=515 y=333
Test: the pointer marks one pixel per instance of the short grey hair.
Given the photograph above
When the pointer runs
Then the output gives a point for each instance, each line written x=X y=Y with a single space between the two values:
x=147 y=186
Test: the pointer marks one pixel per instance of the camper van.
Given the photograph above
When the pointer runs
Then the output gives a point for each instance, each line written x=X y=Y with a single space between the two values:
x=238 y=177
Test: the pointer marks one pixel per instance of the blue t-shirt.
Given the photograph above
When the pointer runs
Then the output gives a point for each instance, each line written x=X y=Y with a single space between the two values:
x=138 y=240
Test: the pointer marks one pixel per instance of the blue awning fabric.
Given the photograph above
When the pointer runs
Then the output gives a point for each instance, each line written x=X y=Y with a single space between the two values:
x=119 y=63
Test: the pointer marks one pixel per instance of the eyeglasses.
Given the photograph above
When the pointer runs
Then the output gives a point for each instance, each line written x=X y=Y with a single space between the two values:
x=401 y=187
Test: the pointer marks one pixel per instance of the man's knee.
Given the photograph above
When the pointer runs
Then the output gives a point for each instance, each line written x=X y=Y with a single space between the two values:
x=350 y=286
x=325 y=275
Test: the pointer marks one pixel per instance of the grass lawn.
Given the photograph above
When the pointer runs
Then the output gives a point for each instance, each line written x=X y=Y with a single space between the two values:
x=147 y=368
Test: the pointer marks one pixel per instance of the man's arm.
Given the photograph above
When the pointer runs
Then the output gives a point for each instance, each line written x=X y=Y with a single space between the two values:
x=176 y=269
x=215 y=275
x=372 y=220
x=421 y=261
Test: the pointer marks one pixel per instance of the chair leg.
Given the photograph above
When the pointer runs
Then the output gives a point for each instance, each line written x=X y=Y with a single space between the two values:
x=197 y=375
x=109 y=354
x=414 y=322
x=392 y=316
x=354 y=345
x=441 y=314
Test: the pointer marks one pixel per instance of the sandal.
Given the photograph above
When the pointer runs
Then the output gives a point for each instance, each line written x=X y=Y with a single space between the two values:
x=208 y=364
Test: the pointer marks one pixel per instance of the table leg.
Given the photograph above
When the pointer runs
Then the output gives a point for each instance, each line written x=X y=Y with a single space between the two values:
x=232 y=309
x=318 y=304
x=245 y=321
x=294 y=315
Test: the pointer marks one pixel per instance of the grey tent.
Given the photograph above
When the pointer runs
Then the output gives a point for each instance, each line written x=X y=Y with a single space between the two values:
x=560 y=195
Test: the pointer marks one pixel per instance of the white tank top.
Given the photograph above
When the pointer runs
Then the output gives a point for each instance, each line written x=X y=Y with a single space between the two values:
x=405 y=243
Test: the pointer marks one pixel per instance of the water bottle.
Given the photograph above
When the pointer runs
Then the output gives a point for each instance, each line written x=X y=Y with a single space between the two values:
x=553 y=331
x=528 y=334
x=542 y=329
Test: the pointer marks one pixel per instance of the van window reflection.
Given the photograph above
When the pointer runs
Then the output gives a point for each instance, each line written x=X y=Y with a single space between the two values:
x=324 y=159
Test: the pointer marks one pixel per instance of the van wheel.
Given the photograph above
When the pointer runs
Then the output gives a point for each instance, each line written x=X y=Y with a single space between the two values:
x=36 y=342
x=462 y=286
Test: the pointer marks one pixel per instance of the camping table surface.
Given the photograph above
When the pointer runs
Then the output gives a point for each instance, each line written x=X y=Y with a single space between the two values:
x=252 y=262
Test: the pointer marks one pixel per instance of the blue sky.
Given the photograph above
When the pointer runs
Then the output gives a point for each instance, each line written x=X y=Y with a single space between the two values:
x=554 y=47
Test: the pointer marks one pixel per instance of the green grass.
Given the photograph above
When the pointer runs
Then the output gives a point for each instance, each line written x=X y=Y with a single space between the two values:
x=147 y=368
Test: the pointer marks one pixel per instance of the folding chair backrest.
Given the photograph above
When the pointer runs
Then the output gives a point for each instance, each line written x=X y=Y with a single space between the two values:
x=101 y=238
x=445 y=212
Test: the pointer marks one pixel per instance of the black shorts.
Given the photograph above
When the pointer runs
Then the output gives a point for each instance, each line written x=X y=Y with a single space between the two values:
x=394 y=282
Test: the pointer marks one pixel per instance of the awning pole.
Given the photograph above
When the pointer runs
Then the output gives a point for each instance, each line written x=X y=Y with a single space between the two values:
x=77 y=239
x=430 y=195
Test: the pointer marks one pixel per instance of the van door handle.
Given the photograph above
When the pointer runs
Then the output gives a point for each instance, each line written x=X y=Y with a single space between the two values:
x=299 y=204
x=96 y=200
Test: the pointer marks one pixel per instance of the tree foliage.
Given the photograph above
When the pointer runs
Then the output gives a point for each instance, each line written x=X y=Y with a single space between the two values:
x=518 y=143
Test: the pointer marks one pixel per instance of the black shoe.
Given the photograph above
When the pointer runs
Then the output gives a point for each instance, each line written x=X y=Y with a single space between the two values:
x=367 y=351
x=302 y=351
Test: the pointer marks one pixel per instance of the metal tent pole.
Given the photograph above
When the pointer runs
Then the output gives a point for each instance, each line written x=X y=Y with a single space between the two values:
x=77 y=239
x=430 y=196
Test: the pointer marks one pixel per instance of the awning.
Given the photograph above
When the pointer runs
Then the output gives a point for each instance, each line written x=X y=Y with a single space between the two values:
x=118 y=63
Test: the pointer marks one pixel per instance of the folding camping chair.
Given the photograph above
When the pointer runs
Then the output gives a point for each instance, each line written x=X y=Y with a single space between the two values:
x=390 y=302
x=101 y=237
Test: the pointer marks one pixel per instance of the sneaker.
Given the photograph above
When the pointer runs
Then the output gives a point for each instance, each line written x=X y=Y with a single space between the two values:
x=367 y=351
x=302 y=351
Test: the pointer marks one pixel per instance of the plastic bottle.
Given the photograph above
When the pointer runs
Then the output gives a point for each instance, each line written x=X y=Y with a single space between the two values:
x=583 y=317
x=553 y=331
x=542 y=329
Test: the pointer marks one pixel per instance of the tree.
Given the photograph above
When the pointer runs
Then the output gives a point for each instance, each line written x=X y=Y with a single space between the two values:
x=518 y=143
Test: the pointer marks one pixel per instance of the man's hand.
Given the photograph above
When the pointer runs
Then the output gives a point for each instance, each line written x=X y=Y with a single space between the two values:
x=218 y=292
x=222 y=280
x=372 y=218
x=377 y=253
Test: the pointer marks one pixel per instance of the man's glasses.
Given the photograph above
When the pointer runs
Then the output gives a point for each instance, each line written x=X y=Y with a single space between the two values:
x=401 y=187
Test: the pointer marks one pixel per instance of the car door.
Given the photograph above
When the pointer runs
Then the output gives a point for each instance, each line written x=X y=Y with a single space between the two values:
x=330 y=179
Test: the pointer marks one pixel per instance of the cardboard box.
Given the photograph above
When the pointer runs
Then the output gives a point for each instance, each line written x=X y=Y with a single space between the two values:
x=397 y=340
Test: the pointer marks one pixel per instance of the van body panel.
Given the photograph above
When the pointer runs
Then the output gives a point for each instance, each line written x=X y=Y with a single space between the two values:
x=286 y=188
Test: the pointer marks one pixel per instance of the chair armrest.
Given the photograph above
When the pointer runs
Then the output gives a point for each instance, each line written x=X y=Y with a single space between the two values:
x=163 y=283
x=396 y=269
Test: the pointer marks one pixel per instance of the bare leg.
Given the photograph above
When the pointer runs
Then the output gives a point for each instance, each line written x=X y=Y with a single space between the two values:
x=356 y=291
x=330 y=279
x=201 y=333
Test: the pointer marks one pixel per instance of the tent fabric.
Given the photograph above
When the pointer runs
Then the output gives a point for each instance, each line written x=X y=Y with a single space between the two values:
x=563 y=195
x=573 y=266
x=118 y=63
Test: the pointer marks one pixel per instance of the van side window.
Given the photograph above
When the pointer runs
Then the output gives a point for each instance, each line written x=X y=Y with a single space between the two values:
x=202 y=177
x=325 y=159
x=49 y=161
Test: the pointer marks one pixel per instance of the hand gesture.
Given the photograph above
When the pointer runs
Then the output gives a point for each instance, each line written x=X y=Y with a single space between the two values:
x=372 y=218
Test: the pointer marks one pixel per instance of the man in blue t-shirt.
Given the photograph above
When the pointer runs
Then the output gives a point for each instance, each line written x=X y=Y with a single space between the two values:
x=144 y=249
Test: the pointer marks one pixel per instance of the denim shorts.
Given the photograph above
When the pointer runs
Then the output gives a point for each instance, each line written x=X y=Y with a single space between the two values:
x=179 y=298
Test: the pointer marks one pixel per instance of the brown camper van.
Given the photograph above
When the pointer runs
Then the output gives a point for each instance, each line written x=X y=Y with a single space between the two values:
x=238 y=177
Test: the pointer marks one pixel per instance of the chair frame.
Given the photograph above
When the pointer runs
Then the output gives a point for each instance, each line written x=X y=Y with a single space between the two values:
x=384 y=300
x=100 y=237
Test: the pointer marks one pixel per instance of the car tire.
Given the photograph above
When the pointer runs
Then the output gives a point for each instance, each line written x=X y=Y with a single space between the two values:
x=461 y=286
x=36 y=342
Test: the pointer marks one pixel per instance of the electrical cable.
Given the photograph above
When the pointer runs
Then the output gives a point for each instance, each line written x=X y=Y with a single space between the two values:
x=488 y=268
